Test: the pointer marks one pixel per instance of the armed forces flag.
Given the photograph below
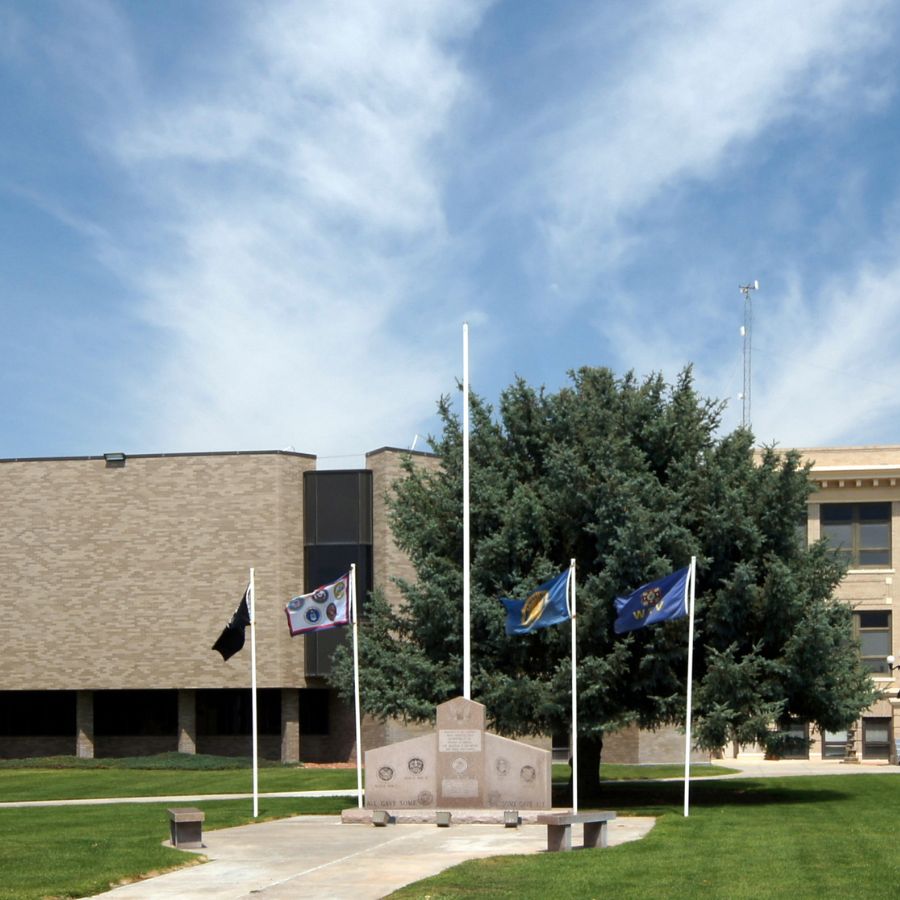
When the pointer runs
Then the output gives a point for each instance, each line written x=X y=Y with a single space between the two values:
x=325 y=607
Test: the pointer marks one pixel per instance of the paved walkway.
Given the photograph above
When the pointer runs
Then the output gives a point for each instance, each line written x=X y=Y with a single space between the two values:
x=317 y=856
x=755 y=766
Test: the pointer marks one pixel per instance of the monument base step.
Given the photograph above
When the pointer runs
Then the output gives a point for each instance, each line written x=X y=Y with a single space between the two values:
x=356 y=816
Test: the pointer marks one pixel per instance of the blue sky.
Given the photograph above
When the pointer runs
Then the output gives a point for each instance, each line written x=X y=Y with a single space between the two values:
x=230 y=226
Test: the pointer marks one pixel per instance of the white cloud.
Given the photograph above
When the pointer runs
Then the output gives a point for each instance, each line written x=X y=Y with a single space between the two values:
x=302 y=193
x=825 y=368
x=705 y=81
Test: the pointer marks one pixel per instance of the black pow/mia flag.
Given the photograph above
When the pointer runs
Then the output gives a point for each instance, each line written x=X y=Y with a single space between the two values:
x=232 y=637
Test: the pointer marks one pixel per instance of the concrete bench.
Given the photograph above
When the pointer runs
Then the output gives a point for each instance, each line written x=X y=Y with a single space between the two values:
x=559 y=828
x=186 y=827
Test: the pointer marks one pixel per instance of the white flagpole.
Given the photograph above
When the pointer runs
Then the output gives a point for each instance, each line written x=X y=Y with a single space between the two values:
x=467 y=649
x=690 y=680
x=571 y=585
x=252 y=606
x=353 y=618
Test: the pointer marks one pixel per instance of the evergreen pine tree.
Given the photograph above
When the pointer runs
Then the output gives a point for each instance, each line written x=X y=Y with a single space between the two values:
x=630 y=478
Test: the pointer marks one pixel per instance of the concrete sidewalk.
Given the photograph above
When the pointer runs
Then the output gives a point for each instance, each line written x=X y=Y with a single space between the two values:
x=318 y=856
x=756 y=766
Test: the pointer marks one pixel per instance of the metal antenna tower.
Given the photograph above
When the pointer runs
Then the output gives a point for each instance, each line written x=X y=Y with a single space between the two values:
x=746 y=332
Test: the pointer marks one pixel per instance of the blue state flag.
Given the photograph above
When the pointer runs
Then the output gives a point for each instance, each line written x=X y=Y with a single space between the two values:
x=546 y=605
x=654 y=602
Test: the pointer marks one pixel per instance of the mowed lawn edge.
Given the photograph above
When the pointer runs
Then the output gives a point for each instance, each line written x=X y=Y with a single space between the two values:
x=798 y=837
x=77 y=783
x=75 y=851
x=74 y=784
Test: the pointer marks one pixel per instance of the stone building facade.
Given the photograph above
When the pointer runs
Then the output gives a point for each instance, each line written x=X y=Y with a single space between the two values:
x=119 y=572
x=856 y=508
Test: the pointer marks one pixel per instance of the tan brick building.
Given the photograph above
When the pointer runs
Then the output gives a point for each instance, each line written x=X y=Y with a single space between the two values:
x=118 y=574
x=856 y=507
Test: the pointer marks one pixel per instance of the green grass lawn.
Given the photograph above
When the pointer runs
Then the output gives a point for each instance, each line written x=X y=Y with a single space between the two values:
x=71 y=784
x=800 y=837
x=805 y=837
x=617 y=772
x=72 y=851
x=68 y=778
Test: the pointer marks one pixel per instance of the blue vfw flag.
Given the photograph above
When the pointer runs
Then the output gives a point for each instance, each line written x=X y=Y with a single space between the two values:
x=657 y=601
x=546 y=605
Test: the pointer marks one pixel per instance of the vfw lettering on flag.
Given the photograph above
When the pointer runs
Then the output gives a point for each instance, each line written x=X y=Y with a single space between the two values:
x=651 y=601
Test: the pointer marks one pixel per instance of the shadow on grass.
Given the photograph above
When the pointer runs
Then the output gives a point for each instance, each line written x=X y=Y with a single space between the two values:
x=171 y=761
x=654 y=797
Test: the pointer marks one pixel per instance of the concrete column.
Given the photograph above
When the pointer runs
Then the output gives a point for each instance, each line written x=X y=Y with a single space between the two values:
x=895 y=731
x=84 y=724
x=290 y=725
x=813 y=522
x=187 y=721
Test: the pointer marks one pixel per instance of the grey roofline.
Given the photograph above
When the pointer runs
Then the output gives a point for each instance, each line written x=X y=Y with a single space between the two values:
x=400 y=450
x=161 y=455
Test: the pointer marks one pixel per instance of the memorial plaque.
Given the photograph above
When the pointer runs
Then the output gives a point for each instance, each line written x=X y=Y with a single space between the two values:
x=402 y=775
x=460 y=766
x=460 y=760
x=459 y=740
x=517 y=776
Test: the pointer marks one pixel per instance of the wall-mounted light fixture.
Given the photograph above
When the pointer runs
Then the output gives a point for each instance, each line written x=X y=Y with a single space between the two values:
x=115 y=459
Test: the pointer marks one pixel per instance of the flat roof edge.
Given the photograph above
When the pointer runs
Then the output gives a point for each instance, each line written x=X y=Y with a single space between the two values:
x=400 y=450
x=99 y=456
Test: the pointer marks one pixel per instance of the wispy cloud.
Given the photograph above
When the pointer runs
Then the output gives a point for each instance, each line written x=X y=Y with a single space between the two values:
x=825 y=372
x=301 y=191
x=307 y=197
x=686 y=101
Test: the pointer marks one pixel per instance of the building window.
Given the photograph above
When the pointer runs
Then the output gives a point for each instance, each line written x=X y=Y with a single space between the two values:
x=129 y=712
x=229 y=711
x=37 y=713
x=874 y=632
x=859 y=533
x=792 y=740
x=314 y=717
x=876 y=738
x=834 y=744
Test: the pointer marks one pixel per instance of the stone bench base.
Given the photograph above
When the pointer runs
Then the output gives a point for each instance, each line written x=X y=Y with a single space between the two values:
x=186 y=827
x=559 y=828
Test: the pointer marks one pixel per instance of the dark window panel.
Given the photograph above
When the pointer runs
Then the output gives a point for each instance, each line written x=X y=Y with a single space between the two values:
x=135 y=712
x=338 y=507
x=38 y=713
x=314 y=703
x=229 y=711
x=325 y=564
x=876 y=619
x=859 y=533
x=873 y=628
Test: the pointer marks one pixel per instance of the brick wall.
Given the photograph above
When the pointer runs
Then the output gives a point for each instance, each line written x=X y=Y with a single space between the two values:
x=390 y=561
x=122 y=577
